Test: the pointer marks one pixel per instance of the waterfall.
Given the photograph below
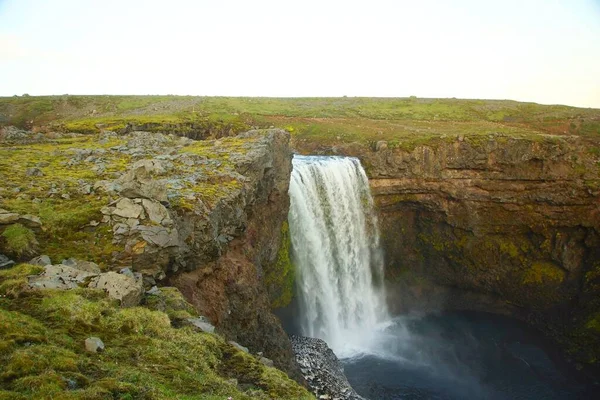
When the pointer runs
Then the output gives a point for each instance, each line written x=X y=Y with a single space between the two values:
x=335 y=241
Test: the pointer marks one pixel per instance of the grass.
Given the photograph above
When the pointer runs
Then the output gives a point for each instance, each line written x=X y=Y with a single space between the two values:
x=19 y=239
x=43 y=356
x=66 y=212
x=324 y=121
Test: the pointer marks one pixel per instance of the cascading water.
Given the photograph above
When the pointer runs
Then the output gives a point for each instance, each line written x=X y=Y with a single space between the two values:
x=335 y=239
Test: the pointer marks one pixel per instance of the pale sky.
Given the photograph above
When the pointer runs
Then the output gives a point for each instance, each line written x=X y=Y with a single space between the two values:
x=546 y=51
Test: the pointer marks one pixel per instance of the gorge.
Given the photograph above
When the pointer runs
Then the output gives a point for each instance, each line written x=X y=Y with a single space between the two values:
x=496 y=213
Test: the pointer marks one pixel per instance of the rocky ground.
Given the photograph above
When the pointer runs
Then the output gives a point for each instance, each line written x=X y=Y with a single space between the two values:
x=147 y=210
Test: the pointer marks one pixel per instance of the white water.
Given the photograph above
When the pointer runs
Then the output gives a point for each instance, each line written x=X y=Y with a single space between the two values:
x=335 y=240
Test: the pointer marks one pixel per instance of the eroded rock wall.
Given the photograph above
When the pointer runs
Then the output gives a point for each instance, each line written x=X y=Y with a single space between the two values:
x=228 y=285
x=502 y=224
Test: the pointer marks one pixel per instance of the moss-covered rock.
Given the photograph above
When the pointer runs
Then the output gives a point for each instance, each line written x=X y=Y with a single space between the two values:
x=42 y=351
x=19 y=241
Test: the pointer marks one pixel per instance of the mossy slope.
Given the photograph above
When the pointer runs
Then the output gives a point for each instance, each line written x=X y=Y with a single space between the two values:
x=42 y=352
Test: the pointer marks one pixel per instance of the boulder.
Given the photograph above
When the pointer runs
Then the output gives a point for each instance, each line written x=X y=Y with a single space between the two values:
x=120 y=287
x=157 y=213
x=30 y=221
x=7 y=217
x=139 y=183
x=34 y=172
x=202 y=325
x=94 y=344
x=42 y=260
x=60 y=277
x=266 y=361
x=126 y=208
x=322 y=369
x=87 y=266
x=5 y=262
x=239 y=346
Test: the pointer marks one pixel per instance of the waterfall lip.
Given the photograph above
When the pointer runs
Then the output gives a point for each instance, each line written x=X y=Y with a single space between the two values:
x=335 y=247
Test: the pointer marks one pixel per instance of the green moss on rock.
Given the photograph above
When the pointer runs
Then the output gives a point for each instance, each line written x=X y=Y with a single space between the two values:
x=543 y=272
x=42 y=351
x=19 y=240
x=280 y=278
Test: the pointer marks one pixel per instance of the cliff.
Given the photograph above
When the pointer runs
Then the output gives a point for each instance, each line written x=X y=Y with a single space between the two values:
x=496 y=223
x=207 y=217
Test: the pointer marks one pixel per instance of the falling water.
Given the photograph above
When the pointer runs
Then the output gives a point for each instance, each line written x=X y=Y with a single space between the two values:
x=335 y=243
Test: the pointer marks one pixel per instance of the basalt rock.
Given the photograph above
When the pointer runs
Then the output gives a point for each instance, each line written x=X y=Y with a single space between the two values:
x=322 y=369
x=509 y=225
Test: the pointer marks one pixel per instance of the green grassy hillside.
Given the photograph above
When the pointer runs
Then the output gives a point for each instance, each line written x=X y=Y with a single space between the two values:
x=323 y=120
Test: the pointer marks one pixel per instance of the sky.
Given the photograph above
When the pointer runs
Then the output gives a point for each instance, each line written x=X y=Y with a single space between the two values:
x=545 y=51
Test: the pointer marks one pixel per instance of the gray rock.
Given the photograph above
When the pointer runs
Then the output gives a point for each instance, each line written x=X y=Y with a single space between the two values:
x=157 y=212
x=5 y=262
x=139 y=183
x=202 y=324
x=154 y=167
x=82 y=265
x=94 y=344
x=158 y=235
x=126 y=208
x=7 y=217
x=266 y=361
x=59 y=277
x=127 y=290
x=34 y=172
x=322 y=369
x=154 y=291
x=381 y=145
x=42 y=260
x=30 y=221
x=239 y=346
x=127 y=272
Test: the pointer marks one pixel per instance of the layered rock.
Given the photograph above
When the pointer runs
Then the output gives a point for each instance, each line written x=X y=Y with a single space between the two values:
x=322 y=369
x=501 y=224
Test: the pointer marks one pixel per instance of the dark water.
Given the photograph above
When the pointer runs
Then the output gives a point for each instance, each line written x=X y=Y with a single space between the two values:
x=465 y=356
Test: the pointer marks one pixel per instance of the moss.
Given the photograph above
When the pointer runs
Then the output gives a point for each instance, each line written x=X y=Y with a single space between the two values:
x=13 y=279
x=19 y=240
x=43 y=356
x=543 y=272
x=280 y=278
x=170 y=301
x=593 y=323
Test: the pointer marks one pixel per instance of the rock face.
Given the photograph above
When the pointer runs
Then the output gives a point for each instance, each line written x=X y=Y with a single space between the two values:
x=498 y=224
x=72 y=274
x=322 y=369
x=236 y=245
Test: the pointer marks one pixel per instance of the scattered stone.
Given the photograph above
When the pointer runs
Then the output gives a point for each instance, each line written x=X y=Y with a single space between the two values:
x=239 y=346
x=266 y=361
x=30 y=221
x=34 y=172
x=7 y=217
x=94 y=344
x=127 y=272
x=65 y=196
x=381 y=145
x=154 y=291
x=157 y=213
x=120 y=287
x=42 y=260
x=60 y=277
x=139 y=183
x=81 y=265
x=5 y=262
x=322 y=369
x=202 y=324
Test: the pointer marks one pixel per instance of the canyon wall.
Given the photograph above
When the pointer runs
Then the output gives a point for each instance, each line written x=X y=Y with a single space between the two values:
x=493 y=223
